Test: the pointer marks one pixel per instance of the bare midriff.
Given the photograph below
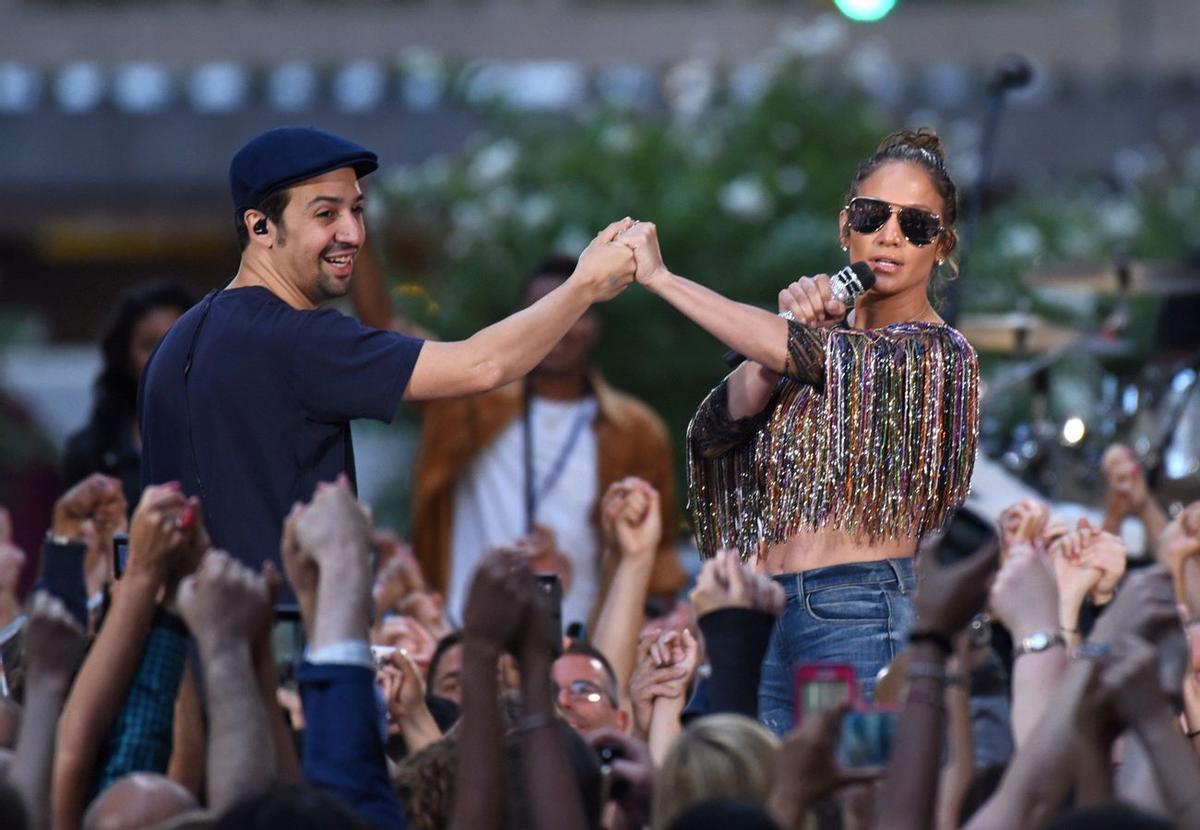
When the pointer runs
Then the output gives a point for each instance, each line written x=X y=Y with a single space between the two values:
x=810 y=549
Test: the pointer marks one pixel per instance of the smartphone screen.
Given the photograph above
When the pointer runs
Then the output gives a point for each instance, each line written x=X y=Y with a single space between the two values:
x=821 y=686
x=867 y=737
x=120 y=554
x=62 y=577
x=287 y=641
x=550 y=586
x=966 y=533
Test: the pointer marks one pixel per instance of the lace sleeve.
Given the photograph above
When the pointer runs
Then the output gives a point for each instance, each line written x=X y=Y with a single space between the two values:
x=713 y=433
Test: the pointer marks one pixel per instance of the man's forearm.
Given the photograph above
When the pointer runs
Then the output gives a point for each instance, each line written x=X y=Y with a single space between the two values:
x=910 y=786
x=549 y=787
x=343 y=607
x=479 y=769
x=1176 y=767
x=759 y=335
x=98 y=693
x=34 y=761
x=241 y=760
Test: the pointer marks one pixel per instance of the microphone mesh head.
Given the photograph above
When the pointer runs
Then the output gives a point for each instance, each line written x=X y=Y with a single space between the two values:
x=865 y=275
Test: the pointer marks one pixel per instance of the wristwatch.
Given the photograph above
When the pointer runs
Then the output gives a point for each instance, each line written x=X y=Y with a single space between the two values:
x=1039 y=641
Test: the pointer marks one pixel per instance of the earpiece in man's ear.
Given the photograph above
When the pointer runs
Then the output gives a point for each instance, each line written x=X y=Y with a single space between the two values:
x=260 y=227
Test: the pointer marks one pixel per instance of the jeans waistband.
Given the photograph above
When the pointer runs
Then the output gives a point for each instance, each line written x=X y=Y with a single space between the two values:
x=879 y=571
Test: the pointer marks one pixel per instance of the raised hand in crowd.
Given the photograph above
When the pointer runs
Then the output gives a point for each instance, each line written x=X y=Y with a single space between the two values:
x=408 y=636
x=1177 y=548
x=651 y=681
x=12 y=564
x=505 y=612
x=1024 y=598
x=631 y=529
x=678 y=651
x=344 y=748
x=1023 y=523
x=55 y=644
x=98 y=499
x=808 y=770
x=300 y=570
x=735 y=609
x=403 y=690
x=1128 y=493
x=724 y=582
x=1087 y=562
x=630 y=774
x=226 y=606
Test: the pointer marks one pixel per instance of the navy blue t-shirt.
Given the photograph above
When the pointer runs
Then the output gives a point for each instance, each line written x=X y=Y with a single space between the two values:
x=264 y=416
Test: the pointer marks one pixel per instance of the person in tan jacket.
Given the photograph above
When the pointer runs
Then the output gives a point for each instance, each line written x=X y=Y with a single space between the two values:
x=471 y=490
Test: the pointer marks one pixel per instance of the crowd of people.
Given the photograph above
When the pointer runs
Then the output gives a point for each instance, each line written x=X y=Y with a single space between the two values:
x=222 y=637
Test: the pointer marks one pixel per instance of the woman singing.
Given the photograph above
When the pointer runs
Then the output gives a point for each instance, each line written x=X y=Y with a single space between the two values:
x=840 y=442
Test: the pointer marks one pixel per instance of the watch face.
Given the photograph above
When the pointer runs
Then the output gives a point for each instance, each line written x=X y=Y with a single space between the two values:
x=1038 y=641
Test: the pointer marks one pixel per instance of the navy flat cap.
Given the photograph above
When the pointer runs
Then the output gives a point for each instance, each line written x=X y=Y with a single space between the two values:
x=287 y=155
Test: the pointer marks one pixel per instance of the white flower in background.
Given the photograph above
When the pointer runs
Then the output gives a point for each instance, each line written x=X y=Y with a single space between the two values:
x=436 y=171
x=468 y=218
x=871 y=65
x=400 y=179
x=1021 y=241
x=618 y=138
x=689 y=87
x=750 y=81
x=572 y=241
x=1130 y=165
x=1118 y=219
x=501 y=202
x=745 y=197
x=701 y=146
x=536 y=210
x=493 y=163
x=1077 y=242
x=823 y=36
x=791 y=180
x=422 y=78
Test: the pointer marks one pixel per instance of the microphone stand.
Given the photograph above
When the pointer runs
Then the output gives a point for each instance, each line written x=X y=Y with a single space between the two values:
x=1013 y=74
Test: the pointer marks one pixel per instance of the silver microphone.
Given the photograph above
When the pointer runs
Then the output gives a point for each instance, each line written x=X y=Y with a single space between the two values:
x=853 y=280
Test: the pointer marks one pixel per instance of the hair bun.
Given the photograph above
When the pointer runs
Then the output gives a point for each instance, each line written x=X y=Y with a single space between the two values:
x=922 y=138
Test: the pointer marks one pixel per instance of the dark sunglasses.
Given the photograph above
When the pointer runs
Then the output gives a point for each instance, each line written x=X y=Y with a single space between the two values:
x=920 y=227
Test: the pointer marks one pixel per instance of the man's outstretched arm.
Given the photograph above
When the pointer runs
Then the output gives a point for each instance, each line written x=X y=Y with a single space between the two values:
x=509 y=349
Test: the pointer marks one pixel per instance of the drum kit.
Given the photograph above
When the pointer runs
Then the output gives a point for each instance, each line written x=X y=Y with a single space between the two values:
x=1152 y=404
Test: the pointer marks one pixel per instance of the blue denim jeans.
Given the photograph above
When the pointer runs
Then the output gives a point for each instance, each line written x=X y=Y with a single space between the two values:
x=859 y=613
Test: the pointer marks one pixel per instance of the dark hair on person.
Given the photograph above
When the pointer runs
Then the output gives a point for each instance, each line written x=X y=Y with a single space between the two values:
x=445 y=644
x=295 y=806
x=272 y=207
x=116 y=387
x=923 y=148
x=1110 y=816
x=588 y=650
x=555 y=266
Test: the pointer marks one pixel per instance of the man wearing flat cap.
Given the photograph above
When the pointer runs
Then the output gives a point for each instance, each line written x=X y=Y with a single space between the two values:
x=247 y=401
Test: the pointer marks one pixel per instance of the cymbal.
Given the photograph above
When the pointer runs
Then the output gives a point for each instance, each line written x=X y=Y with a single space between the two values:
x=1019 y=333
x=1133 y=278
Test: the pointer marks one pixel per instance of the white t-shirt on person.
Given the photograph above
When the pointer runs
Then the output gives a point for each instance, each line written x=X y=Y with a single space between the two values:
x=489 y=499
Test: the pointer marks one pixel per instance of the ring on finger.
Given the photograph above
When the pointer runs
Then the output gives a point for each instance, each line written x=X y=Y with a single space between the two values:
x=788 y=315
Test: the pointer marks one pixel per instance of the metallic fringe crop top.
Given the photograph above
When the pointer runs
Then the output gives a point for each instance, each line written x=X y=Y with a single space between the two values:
x=870 y=432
